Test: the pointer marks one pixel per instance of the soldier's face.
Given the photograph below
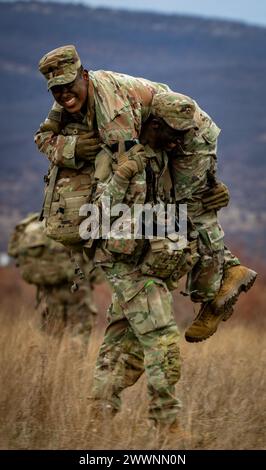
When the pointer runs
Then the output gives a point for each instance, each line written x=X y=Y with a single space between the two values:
x=72 y=96
x=160 y=136
x=167 y=138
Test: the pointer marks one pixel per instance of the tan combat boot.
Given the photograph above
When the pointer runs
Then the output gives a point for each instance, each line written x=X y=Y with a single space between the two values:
x=204 y=325
x=236 y=280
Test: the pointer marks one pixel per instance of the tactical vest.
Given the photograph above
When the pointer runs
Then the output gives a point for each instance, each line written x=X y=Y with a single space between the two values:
x=158 y=257
x=66 y=191
x=164 y=256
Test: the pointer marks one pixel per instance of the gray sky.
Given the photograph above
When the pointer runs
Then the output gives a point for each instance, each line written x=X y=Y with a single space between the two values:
x=250 y=11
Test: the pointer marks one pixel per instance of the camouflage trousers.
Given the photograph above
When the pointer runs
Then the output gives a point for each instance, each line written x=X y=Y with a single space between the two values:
x=141 y=336
x=66 y=311
x=204 y=281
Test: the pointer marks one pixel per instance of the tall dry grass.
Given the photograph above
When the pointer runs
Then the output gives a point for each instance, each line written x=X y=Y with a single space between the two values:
x=45 y=383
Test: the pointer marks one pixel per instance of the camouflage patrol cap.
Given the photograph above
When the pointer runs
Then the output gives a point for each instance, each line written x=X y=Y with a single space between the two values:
x=178 y=111
x=60 y=66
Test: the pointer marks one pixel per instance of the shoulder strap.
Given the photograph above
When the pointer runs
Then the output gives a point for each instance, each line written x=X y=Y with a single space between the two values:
x=150 y=181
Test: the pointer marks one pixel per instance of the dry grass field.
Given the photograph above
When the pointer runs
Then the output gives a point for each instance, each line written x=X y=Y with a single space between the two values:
x=45 y=382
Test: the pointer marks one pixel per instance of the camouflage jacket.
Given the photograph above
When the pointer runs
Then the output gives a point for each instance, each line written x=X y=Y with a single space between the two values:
x=135 y=191
x=193 y=163
x=117 y=104
x=115 y=190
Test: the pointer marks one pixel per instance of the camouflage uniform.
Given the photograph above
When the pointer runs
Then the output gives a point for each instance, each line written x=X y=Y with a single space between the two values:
x=47 y=265
x=142 y=333
x=117 y=106
x=193 y=166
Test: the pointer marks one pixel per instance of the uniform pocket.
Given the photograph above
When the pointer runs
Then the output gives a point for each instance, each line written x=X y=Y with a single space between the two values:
x=151 y=308
x=211 y=238
x=160 y=304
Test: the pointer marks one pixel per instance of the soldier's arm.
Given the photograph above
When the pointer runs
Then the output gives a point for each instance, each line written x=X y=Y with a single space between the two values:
x=129 y=164
x=69 y=151
x=59 y=149
x=113 y=191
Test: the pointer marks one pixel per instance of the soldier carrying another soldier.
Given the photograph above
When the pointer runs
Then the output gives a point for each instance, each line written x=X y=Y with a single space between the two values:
x=113 y=108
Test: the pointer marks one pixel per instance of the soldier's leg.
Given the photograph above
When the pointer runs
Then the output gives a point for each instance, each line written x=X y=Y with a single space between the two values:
x=162 y=365
x=54 y=316
x=119 y=365
x=230 y=259
x=81 y=311
x=236 y=279
x=222 y=288
x=204 y=281
x=151 y=331
x=120 y=360
x=150 y=315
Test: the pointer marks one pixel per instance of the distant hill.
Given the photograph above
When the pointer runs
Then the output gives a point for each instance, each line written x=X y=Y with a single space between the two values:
x=220 y=64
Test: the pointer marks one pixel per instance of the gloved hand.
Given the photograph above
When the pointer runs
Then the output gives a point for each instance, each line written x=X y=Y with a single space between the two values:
x=87 y=146
x=131 y=162
x=216 y=197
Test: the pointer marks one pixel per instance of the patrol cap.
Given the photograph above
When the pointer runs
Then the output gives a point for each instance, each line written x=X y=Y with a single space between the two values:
x=178 y=111
x=60 y=66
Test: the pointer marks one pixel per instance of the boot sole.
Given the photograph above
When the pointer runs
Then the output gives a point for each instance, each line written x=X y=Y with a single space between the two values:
x=193 y=339
x=229 y=304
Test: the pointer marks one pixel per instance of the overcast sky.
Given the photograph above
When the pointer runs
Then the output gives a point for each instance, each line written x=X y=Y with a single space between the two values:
x=250 y=11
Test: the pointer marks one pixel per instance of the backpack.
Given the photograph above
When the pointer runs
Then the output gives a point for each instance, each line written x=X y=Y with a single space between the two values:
x=41 y=260
x=66 y=191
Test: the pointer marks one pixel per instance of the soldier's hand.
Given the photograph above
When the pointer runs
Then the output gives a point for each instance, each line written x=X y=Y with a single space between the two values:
x=87 y=146
x=217 y=197
x=131 y=162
